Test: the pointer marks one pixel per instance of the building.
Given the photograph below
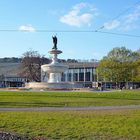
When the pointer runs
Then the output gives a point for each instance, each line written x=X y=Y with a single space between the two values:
x=9 y=75
x=12 y=81
x=79 y=72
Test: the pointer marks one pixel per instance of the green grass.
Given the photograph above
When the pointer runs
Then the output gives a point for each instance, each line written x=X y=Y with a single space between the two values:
x=72 y=125
x=60 y=99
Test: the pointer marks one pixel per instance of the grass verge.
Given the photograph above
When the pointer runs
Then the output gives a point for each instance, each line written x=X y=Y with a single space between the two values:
x=60 y=99
x=105 y=125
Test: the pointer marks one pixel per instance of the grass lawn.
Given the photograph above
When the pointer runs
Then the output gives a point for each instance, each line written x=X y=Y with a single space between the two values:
x=60 y=99
x=74 y=125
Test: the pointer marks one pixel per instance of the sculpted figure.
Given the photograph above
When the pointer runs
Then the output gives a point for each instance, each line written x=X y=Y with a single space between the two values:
x=54 y=42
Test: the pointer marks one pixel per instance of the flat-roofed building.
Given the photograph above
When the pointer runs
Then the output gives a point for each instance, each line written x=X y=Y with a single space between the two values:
x=9 y=75
x=82 y=72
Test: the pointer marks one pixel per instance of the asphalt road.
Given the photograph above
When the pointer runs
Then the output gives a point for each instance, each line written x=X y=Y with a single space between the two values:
x=46 y=109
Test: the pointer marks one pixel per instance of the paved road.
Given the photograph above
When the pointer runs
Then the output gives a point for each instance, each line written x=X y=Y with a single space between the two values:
x=46 y=109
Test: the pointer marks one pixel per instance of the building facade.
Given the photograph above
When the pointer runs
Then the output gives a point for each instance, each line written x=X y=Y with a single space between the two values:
x=12 y=81
x=9 y=75
x=84 y=73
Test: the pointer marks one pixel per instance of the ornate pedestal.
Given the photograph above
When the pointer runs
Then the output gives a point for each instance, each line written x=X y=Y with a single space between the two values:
x=54 y=69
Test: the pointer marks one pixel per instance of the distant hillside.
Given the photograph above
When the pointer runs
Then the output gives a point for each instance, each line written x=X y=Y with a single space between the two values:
x=18 y=60
x=12 y=66
x=10 y=60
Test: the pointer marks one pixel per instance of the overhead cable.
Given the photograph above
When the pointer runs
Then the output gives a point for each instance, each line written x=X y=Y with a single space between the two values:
x=120 y=14
x=73 y=31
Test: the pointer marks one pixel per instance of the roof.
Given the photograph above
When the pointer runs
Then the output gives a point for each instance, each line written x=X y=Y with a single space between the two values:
x=12 y=69
x=82 y=65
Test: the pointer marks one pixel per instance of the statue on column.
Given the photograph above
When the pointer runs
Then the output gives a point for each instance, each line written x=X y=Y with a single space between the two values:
x=54 y=42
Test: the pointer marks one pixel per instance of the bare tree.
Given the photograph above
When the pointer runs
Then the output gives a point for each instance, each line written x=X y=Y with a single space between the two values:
x=31 y=65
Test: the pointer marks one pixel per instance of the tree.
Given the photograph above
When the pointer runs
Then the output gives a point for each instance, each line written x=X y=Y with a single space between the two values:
x=31 y=65
x=138 y=50
x=71 y=61
x=122 y=54
x=136 y=71
x=118 y=65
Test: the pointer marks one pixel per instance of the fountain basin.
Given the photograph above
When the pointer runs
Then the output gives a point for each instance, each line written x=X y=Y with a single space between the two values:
x=54 y=68
x=53 y=86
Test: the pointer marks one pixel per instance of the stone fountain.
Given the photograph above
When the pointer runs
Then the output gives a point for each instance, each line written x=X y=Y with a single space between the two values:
x=55 y=69
x=54 y=72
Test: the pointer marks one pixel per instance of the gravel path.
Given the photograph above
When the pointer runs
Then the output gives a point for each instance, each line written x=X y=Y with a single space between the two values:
x=8 y=136
x=46 y=109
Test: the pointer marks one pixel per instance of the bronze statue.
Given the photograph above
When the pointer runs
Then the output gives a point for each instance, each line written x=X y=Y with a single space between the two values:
x=54 y=42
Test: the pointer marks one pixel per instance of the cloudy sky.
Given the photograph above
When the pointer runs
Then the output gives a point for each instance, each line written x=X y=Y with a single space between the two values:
x=85 y=29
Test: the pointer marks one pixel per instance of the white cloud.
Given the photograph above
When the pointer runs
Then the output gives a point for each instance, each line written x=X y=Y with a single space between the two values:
x=132 y=17
x=81 y=14
x=27 y=28
x=126 y=22
x=130 y=21
x=111 y=25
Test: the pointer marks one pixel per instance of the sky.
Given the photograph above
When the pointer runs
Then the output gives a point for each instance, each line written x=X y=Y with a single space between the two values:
x=82 y=27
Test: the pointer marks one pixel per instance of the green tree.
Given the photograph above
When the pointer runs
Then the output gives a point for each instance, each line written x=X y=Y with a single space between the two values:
x=122 y=54
x=118 y=65
x=136 y=71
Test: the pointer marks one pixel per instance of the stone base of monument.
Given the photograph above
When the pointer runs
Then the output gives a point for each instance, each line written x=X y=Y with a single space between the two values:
x=54 y=86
